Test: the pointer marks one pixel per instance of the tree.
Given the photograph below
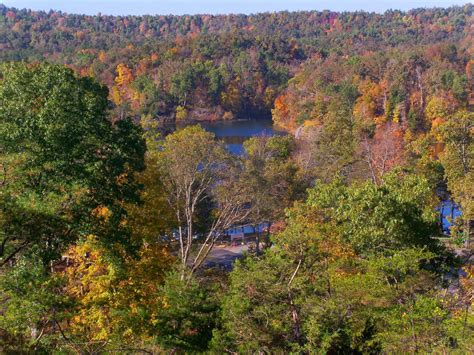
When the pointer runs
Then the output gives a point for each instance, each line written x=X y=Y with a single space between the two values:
x=366 y=213
x=152 y=219
x=187 y=315
x=317 y=290
x=195 y=169
x=331 y=141
x=269 y=178
x=458 y=161
x=33 y=304
x=182 y=84
x=122 y=92
x=92 y=283
x=61 y=159
x=66 y=173
x=382 y=152
x=113 y=306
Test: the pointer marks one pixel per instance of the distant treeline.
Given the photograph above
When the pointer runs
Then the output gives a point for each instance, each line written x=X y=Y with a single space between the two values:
x=212 y=67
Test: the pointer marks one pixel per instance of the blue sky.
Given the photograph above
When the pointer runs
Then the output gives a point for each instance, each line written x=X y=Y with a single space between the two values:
x=179 y=7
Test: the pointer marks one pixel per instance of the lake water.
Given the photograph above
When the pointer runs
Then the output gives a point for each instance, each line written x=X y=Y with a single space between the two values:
x=449 y=211
x=234 y=133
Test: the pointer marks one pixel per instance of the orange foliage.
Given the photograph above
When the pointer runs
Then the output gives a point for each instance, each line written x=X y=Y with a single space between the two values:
x=370 y=103
x=17 y=27
x=102 y=213
x=281 y=111
x=102 y=57
x=154 y=57
x=80 y=35
x=143 y=66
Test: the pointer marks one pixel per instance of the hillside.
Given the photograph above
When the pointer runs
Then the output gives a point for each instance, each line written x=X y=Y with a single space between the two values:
x=213 y=67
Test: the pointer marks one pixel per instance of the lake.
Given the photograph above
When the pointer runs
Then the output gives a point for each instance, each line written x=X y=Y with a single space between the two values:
x=234 y=133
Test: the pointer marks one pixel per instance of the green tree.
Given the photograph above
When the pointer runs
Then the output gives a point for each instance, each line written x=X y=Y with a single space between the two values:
x=458 y=162
x=62 y=159
x=270 y=179
x=377 y=219
x=323 y=288
x=67 y=173
x=33 y=303
x=182 y=84
x=187 y=315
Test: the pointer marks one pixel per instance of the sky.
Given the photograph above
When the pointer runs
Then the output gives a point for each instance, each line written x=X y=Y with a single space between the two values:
x=180 y=7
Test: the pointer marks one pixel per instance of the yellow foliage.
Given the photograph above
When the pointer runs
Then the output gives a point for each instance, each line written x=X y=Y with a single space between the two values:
x=124 y=75
x=380 y=120
x=116 y=97
x=181 y=113
x=369 y=102
x=102 y=213
x=396 y=114
x=103 y=296
x=90 y=283
x=437 y=122
x=123 y=80
x=437 y=107
x=310 y=123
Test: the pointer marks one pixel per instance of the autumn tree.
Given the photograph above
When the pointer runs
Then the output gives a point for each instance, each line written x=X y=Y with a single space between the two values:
x=382 y=152
x=122 y=92
x=153 y=218
x=66 y=173
x=113 y=306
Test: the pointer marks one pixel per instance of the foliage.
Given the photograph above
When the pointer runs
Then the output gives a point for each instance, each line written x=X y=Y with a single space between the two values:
x=317 y=289
x=106 y=226
x=235 y=63
x=374 y=219
x=61 y=159
x=200 y=185
x=188 y=314
x=269 y=179
x=113 y=306
x=458 y=161
x=32 y=305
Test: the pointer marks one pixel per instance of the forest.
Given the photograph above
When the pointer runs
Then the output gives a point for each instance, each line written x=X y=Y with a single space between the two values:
x=213 y=67
x=110 y=220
